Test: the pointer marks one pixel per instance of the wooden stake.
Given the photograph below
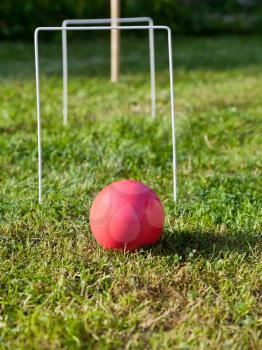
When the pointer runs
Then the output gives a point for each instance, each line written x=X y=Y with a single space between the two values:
x=115 y=41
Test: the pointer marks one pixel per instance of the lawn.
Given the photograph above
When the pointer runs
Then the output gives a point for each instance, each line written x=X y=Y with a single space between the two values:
x=201 y=286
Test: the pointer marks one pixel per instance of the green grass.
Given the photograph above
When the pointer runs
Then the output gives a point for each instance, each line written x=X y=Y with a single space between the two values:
x=200 y=287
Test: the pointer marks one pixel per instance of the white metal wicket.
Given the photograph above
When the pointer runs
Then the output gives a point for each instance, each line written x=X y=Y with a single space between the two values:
x=38 y=101
x=70 y=22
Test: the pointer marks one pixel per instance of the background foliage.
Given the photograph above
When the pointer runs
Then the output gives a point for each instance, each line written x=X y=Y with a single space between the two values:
x=18 y=18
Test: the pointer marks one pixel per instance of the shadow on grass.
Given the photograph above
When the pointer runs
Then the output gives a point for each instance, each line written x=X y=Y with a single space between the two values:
x=208 y=244
x=91 y=58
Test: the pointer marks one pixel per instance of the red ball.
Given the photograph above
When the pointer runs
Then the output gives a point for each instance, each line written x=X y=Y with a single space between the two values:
x=127 y=215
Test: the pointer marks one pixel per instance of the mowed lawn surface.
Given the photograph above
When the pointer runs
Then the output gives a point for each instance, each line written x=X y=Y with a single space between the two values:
x=200 y=287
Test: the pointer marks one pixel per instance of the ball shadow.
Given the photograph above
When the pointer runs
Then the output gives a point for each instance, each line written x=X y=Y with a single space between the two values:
x=208 y=244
